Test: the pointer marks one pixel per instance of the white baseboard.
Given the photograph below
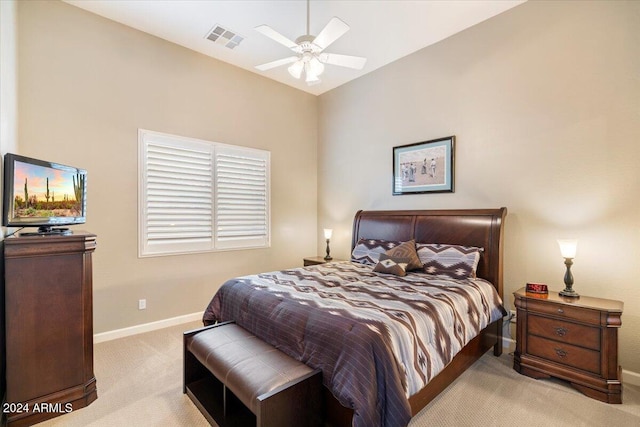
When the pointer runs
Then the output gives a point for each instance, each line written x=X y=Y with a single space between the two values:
x=145 y=327
x=508 y=344
x=630 y=377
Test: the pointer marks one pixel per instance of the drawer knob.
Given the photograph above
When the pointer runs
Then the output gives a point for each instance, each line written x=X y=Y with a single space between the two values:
x=561 y=311
x=560 y=331
x=561 y=353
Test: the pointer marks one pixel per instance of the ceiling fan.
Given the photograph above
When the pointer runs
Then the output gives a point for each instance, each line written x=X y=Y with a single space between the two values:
x=310 y=57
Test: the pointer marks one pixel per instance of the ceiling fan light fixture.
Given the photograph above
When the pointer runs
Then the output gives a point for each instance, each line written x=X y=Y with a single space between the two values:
x=312 y=79
x=315 y=66
x=310 y=57
x=311 y=73
x=296 y=69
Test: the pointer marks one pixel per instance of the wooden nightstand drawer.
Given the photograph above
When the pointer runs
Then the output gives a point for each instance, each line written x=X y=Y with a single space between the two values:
x=567 y=354
x=574 y=339
x=566 y=332
x=565 y=311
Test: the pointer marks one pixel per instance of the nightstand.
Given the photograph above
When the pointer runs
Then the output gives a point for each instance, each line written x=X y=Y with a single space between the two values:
x=574 y=339
x=316 y=260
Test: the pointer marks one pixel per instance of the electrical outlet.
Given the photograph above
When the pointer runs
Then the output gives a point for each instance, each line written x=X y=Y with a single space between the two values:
x=142 y=304
x=512 y=316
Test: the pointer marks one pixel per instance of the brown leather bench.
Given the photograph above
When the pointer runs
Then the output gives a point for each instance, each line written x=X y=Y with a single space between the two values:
x=236 y=379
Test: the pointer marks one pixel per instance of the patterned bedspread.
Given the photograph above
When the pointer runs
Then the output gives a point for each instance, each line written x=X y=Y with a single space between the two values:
x=378 y=338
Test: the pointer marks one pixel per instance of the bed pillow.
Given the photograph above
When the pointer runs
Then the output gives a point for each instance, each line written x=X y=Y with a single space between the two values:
x=458 y=262
x=407 y=250
x=367 y=251
x=392 y=265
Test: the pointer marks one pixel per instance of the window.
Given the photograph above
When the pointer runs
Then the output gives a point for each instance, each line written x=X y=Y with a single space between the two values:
x=197 y=196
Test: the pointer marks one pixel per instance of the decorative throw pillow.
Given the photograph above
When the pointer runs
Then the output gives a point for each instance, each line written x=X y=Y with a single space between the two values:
x=367 y=251
x=458 y=262
x=407 y=250
x=392 y=265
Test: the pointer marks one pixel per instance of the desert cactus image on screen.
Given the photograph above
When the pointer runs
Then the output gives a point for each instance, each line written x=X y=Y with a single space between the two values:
x=39 y=185
x=78 y=187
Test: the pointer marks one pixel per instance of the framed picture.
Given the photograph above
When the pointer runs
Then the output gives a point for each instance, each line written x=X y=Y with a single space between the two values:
x=424 y=167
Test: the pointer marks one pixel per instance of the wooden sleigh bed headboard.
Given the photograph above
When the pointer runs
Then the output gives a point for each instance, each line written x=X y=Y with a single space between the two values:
x=468 y=227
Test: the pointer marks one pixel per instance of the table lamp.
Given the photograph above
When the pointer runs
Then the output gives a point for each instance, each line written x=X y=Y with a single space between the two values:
x=327 y=235
x=568 y=249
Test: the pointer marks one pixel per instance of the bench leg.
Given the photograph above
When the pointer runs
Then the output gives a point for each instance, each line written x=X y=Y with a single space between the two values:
x=299 y=404
x=224 y=401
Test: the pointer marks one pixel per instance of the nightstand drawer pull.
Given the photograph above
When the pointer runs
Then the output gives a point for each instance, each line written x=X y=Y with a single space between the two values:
x=561 y=311
x=561 y=331
x=561 y=353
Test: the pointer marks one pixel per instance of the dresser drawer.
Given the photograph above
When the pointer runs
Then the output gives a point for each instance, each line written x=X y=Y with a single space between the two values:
x=563 y=331
x=564 y=311
x=567 y=354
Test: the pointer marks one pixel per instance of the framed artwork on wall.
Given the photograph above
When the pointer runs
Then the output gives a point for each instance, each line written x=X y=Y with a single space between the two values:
x=424 y=167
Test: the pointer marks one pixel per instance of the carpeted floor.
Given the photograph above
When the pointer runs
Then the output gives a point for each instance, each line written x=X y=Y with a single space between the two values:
x=140 y=384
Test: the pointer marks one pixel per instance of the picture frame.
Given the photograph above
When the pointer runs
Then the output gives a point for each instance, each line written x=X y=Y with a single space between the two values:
x=424 y=167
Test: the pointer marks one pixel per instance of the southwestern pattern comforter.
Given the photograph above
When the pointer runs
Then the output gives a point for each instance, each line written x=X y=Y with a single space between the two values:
x=378 y=338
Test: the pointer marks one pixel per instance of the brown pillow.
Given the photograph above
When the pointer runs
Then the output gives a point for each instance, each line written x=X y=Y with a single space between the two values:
x=367 y=251
x=407 y=250
x=391 y=265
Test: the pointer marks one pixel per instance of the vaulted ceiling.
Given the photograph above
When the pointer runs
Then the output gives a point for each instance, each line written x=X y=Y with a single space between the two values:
x=382 y=31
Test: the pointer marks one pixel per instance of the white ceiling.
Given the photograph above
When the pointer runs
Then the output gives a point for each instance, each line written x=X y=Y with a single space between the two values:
x=381 y=30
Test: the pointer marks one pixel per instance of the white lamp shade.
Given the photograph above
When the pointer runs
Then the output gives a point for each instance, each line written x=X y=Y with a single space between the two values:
x=315 y=67
x=327 y=233
x=312 y=69
x=310 y=76
x=296 y=69
x=568 y=247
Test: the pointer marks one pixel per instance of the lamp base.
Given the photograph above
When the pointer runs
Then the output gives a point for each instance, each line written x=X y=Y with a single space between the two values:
x=568 y=281
x=328 y=257
x=567 y=292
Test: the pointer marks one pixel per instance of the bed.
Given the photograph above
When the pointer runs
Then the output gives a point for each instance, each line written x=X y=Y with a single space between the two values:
x=351 y=322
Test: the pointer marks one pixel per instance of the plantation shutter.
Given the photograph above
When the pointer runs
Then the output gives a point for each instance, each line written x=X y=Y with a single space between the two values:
x=177 y=195
x=242 y=197
x=197 y=196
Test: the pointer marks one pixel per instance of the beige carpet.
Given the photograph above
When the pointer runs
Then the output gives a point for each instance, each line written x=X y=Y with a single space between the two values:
x=140 y=384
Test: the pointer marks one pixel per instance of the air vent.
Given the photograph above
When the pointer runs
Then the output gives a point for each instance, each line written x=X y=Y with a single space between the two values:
x=225 y=37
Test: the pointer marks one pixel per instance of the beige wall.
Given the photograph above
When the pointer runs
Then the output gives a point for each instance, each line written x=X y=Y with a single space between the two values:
x=8 y=91
x=86 y=84
x=544 y=101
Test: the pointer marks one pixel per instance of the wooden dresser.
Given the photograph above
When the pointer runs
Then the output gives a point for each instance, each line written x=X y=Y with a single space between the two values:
x=49 y=326
x=574 y=339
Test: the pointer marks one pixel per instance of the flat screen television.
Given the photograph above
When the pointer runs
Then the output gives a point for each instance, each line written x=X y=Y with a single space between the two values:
x=43 y=194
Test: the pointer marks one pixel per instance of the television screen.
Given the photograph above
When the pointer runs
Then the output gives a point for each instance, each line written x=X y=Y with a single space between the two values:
x=42 y=194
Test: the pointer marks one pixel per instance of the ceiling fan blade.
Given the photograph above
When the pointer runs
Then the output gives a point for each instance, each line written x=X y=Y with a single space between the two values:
x=279 y=62
x=274 y=35
x=330 y=33
x=355 y=62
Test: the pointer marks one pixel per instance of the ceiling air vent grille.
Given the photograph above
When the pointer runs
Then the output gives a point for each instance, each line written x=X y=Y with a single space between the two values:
x=225 y=37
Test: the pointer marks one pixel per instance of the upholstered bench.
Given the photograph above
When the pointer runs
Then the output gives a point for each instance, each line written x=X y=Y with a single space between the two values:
x=236 y=379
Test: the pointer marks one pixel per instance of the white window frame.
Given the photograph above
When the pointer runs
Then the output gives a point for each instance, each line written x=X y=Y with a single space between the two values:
x=201 y=196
